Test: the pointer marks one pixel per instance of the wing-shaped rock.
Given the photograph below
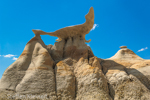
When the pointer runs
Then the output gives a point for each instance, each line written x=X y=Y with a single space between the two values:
x=72 y=31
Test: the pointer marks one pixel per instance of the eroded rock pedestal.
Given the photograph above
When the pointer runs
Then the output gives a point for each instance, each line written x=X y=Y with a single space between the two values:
x=68 y=70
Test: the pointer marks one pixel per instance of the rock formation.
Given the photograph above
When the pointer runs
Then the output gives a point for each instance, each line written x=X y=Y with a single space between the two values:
x=128 y=75
x=68 y=70
x=72 y=31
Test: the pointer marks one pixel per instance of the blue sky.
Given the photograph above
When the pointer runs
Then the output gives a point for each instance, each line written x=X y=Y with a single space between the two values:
x=118 y=22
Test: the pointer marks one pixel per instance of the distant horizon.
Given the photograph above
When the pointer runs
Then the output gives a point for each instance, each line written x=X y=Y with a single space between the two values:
x=117 y=23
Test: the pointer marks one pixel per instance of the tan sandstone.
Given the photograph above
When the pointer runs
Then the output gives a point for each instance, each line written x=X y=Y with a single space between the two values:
x=73 y=31
x=68 y=70
x=126 y=76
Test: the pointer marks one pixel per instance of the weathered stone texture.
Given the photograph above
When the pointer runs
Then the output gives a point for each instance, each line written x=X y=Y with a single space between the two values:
x=90 y=81
x=128 y=76
x=68 y=70
x=65 y=80
x=72 y=31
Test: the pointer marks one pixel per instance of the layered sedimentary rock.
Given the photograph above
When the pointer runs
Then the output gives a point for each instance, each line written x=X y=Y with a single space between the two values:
x=65 y=80
x=32 y=72
x=126 y=76
x=41 y=69
x=74 y=48
x=39 y=77
x=90 y=81
x=68 y=70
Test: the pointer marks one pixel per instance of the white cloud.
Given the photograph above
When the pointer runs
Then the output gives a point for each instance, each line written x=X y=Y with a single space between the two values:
x=142 y=49
x=0 y=55
x=9 y=55
x=94 y=26
x=14 y=58
x=88 y=44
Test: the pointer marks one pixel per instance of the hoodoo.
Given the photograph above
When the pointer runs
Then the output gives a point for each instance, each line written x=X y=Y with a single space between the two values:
x=126 y=54
x=68 y=70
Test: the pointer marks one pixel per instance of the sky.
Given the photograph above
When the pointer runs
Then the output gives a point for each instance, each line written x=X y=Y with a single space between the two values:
x=117 y=23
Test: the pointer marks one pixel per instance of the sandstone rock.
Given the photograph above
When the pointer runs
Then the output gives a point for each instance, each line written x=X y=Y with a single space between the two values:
x=32 y=72
x=125 y=81
x=48 y=47
x=65 y=80
x=141 y=70
x=72 y=31
x=77 y=76
x=68 y=70
x=126 y=54
x=90 y=81
x=56 y=51
x=74 y=48
x=122 y=47
x=39 y=77
x=15 y=72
